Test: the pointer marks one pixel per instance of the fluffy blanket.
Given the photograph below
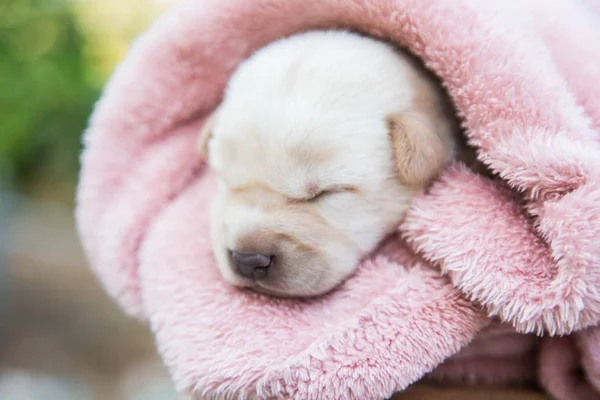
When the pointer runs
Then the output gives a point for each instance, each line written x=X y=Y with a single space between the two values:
x=522 y=248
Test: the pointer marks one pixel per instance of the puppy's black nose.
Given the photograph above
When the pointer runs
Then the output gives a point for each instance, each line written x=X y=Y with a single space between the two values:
x=252 y=265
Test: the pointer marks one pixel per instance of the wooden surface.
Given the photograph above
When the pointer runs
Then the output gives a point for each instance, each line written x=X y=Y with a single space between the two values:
x=424 y=392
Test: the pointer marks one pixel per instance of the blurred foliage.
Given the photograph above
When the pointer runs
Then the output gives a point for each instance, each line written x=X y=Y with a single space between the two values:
x=108 y=26
x=55 y=55
x=45 y=99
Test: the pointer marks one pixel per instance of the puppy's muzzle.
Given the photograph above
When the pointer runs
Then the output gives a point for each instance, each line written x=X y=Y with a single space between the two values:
x=253 y=266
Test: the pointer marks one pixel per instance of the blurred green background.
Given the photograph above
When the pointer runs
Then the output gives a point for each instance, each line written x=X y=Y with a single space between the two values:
x=60 y=336
x=55 y=56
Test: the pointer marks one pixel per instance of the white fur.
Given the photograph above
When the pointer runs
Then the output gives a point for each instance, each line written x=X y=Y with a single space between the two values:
x=312 y=109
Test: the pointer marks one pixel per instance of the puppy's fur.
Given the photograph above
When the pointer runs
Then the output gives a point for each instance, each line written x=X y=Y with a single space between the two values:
x=319 y=145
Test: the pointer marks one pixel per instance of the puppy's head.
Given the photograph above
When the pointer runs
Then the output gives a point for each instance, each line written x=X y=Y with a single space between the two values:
x=319 y=145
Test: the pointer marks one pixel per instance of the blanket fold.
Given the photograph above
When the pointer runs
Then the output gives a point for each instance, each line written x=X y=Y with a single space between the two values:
x=487 y=261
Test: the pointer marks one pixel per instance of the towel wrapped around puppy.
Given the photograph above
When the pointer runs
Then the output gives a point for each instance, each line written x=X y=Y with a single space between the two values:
x=522 y=248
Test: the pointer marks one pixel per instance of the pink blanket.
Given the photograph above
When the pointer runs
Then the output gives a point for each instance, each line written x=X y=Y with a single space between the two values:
x=523 y=249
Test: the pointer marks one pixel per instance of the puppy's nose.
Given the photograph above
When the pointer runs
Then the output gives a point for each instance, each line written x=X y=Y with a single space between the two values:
x=252 y=265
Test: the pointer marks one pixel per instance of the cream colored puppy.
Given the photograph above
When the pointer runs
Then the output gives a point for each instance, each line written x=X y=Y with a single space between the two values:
x=320 y=143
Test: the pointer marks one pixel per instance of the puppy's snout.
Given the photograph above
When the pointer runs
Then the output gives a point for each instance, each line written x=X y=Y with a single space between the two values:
x=252 y=265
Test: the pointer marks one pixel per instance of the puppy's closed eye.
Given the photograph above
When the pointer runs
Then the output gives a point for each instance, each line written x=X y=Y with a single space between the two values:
x=315 y=194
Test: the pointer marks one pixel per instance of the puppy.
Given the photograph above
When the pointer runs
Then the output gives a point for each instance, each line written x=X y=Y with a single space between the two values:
x=320 y=143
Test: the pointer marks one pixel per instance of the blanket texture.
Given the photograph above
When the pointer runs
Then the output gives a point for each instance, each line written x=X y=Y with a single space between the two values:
x=491 y=262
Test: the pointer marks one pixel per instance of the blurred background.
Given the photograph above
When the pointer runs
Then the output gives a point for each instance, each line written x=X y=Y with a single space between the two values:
x=61 y=338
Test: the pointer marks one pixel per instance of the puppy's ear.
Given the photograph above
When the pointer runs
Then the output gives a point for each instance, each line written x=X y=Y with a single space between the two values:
x=205 y=136
x=422 y=145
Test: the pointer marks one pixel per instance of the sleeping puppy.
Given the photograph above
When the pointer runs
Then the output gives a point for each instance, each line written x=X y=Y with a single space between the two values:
x=320 y=143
